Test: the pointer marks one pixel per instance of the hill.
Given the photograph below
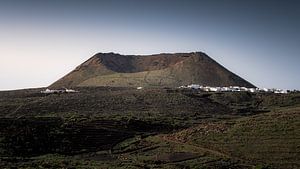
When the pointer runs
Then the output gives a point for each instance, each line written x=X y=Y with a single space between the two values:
x=160 y=70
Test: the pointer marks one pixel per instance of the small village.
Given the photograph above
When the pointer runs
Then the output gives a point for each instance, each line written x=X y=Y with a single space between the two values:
x=195 y=87
x=234 y=89
x=58 y=91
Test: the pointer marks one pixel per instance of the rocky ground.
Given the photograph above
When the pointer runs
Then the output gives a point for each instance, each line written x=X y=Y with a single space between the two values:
x=107 y=127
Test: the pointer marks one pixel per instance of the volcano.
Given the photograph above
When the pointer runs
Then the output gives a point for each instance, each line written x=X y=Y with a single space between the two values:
x=158 y=70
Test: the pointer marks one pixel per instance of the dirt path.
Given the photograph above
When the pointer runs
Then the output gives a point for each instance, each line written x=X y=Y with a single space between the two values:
x=146 y=76
x=14 y=112
x=214 y=152
x=197 y=147
x=21 y=105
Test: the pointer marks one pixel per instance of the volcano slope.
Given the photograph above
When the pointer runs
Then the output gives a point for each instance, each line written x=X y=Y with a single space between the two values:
x=118 y=127
x=161 y=70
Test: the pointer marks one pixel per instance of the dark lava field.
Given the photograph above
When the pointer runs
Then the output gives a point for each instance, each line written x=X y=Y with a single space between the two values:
x=113 y=127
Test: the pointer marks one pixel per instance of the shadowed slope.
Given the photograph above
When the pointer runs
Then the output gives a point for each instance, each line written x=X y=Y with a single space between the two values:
x=161 y=70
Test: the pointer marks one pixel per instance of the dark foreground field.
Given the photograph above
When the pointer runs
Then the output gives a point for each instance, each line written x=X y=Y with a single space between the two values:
x=151 y=128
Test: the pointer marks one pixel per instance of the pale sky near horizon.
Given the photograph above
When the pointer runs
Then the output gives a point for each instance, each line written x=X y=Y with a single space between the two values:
x=41 y=41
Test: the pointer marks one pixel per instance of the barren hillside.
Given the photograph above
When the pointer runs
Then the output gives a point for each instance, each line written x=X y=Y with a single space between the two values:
x=160 y=70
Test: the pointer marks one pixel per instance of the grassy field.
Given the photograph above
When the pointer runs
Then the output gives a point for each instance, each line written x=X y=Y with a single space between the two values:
x=110 y=127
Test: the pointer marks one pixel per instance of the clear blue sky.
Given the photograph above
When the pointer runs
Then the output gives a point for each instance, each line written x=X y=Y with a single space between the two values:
x=40 y=41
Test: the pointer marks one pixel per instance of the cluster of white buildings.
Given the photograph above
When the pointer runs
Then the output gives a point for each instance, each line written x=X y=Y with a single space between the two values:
x=232 y=89
x=65 y=90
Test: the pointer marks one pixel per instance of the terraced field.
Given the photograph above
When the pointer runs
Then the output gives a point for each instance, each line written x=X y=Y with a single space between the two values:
x=109 y=127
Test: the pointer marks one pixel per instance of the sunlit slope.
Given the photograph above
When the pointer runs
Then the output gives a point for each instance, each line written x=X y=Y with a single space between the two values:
x=270 y=139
